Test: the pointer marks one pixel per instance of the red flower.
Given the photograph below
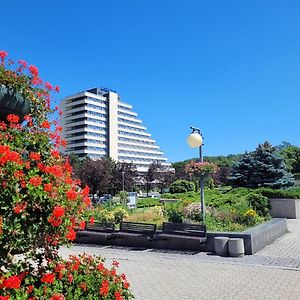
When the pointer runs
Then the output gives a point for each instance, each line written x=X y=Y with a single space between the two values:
x=57 y=297
x=12 y=282
x=22 y=63
x=100 y=267
x=45 y=124
x=70 y=278
x=115 y=263
x=57 y=89
x=59 y=128
x=34 y=71
x=4 y=297
x=87 y=201
x=40 y=166
x=3 y=126
x=72 y=195
x=71 y=235
x=13 y=118
x=118 y=296
x=104 y=288
x=126 y=285
x=113 y=272
x=48 y=86
x=35 y=181
x=58 y=211
x=82 y=225
x=3 y=54
x=29 y=289
x=55 y=222
x=92 y=220
x=55 y=153
x=83 y=286
x=36 y=81
x=20 y=207
x=63 y=143
x=123 y=276
x=34 y=156
x=48 y=278
x=48 y=187
x=86 y=191
x=59 y=268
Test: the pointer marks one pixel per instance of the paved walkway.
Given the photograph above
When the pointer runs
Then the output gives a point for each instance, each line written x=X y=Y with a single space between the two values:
x=272 y=273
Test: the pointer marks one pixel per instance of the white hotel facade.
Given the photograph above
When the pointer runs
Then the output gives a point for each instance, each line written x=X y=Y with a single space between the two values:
x=96 y=123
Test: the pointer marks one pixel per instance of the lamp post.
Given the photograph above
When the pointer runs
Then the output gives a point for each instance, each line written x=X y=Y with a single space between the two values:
x=123 y=181
x=195 y=140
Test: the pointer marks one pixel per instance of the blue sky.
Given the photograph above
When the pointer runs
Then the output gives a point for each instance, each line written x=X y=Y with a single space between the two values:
x=231 y=68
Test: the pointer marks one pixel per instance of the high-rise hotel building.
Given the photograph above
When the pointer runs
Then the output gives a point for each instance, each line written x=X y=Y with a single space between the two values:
x=96 y=123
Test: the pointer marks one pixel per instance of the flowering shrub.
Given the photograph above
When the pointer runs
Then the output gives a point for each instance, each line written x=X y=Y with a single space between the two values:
x=192 y=212
x=200 y=168
x=40 y=204
x=83 y=277
x=104 y=215
x=119 y=214
x=24 y=79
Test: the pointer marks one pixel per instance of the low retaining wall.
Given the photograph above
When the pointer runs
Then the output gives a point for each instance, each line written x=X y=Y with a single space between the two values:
x=285 y=208
x=255 y=239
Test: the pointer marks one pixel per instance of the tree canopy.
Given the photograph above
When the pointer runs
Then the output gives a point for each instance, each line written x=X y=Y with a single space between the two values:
x=261 y=168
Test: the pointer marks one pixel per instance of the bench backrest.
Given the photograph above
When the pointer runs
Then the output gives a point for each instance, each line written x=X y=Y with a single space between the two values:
x=184 y=229
x=134 y=227
x=97 y=226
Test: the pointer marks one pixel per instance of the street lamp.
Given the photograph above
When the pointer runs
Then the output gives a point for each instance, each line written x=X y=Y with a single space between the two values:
x=195 y=140
x=123 y=181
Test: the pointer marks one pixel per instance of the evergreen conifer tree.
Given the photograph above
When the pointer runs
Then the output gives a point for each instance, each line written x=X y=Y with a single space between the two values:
x=261 y=168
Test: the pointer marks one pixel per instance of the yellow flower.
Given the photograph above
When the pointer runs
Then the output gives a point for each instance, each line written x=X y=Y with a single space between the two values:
x=250 y=213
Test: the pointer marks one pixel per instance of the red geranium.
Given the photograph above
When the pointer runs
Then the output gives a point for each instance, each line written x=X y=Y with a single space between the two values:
x=35 y=181
x=55 y=153
x=48 y=187
x=71 y=235
x=45 y=124
x=48 y=278
x=34 y=156
x=13 y=118
x=34 y=71
x=12 y=282
x=57 y=297
x=92 y=220
x=3 y=54
x=72 y=195
x=55 y=222
x=58 y=211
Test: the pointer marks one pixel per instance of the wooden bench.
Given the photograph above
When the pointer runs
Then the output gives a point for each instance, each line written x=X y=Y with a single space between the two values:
x=183 y=231
x=103 y=228
x=97 y=226
x=136 y=229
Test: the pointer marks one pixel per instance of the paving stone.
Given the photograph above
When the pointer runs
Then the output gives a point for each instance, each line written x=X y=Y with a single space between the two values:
x=272 y=273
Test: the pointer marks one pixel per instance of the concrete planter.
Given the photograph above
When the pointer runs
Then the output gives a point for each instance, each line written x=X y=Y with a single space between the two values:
x=285 y=208
x=221 y=245
x=236 y=247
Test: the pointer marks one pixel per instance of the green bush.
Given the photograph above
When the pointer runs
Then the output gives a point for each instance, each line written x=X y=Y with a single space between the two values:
x=259 y=203
x=174 y=214
x=182 y=186
x=291 y=193
x=119 y=214
x=148 y=202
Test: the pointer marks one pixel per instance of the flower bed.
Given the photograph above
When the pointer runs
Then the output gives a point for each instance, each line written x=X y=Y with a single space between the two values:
x=41 y=206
